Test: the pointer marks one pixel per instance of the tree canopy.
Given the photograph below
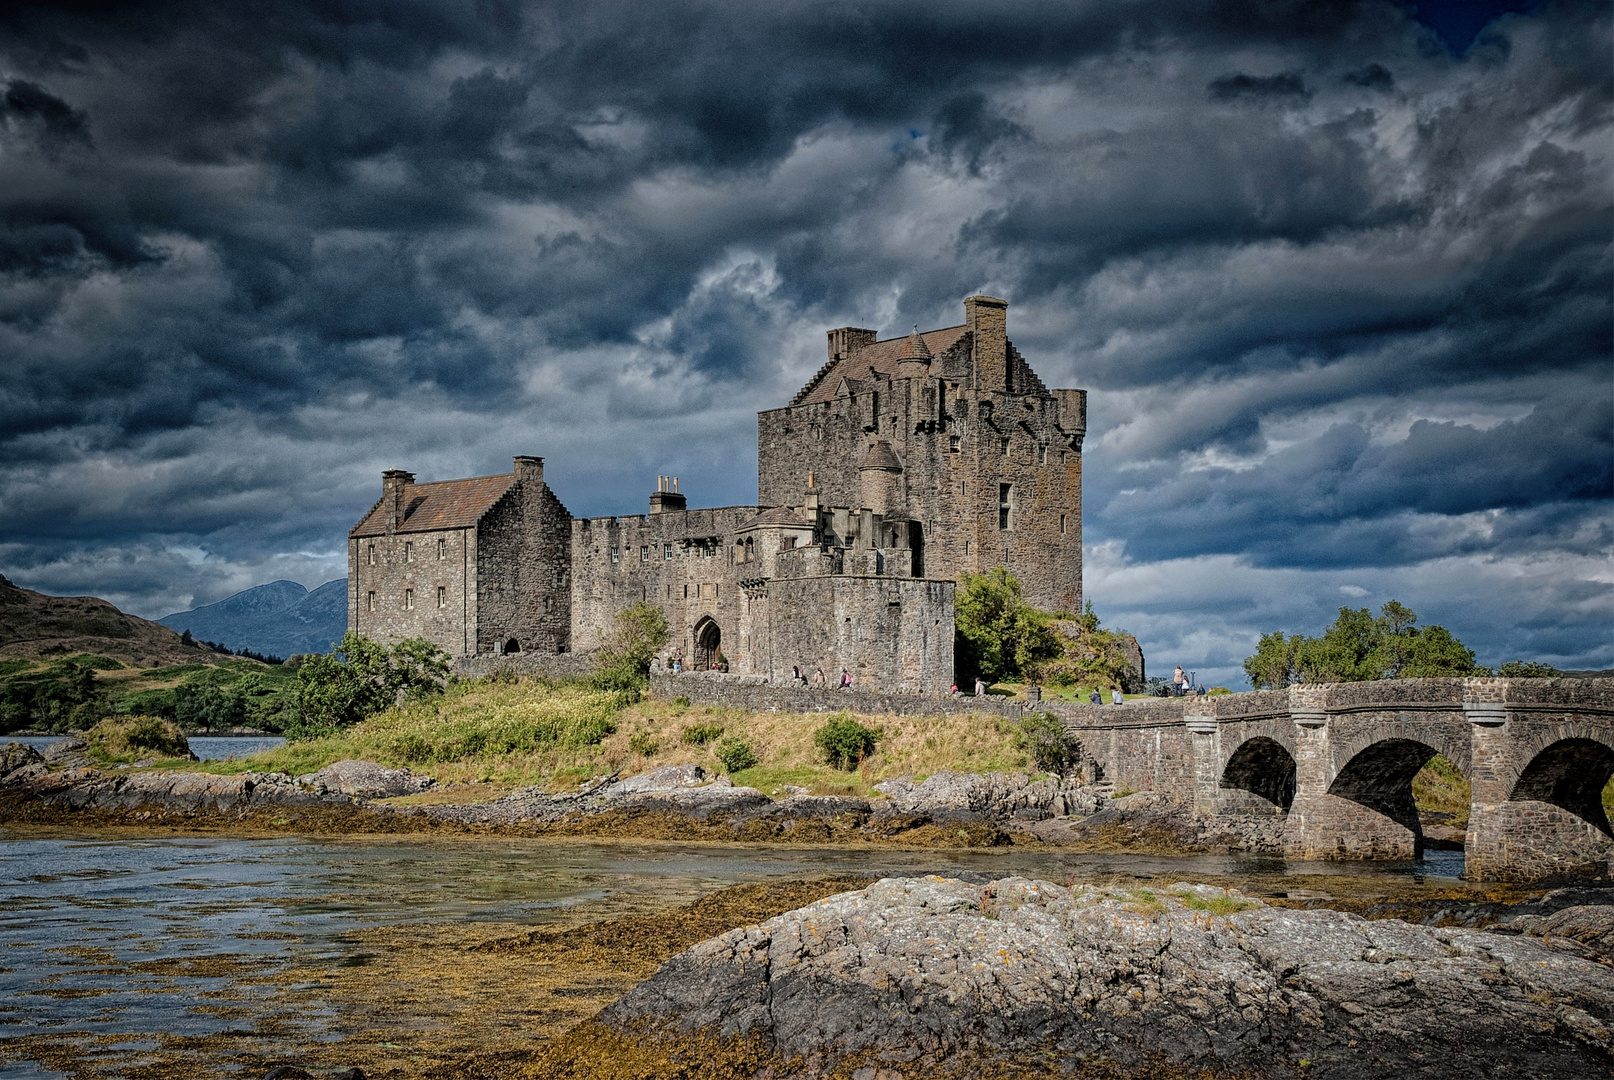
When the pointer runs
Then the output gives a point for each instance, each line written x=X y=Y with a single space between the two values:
x=1000 y=635
x=1359 y=647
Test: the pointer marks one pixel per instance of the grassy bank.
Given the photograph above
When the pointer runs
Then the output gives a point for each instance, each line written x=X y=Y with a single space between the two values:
x=534 y=732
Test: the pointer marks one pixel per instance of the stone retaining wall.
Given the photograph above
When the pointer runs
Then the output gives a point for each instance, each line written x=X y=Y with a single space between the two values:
x=543 y=665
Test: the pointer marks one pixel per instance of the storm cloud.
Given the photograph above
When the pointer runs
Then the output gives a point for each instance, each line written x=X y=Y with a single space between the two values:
x=1338 y=281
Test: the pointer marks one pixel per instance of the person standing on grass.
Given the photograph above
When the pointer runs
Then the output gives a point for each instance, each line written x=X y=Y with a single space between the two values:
x=980 y=687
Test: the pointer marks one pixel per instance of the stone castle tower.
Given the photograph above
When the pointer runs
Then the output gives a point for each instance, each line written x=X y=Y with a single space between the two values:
x=951 y=433
x=901 y=464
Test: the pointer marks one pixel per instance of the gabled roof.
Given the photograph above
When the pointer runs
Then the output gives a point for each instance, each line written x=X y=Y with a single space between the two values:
x=882 y=356
x=446 y=504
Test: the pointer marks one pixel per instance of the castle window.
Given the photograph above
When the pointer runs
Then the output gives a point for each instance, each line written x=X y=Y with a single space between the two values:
x=442 y=597
x=961 y=487
x=686 y=592
x=372 y=554
x=1005 y=504
x=616 y=555
x=1061 y=524
x=1005 y=447
x=371 y=598
x=953 y=443
x=442 y=548
x=715 y=587
x=560 y=577
x=409 y=551
x=1042 y=453
x=644 y=553
x=666 y=551
x=669 y=592
x=409 y=599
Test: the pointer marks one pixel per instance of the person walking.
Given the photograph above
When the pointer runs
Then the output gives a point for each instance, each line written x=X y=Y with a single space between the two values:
x=818 y=677
x=846 y=679
x=1095 y=697
x=1115 y=694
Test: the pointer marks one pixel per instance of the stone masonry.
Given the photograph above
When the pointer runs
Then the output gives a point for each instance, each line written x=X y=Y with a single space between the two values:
x=900 y=465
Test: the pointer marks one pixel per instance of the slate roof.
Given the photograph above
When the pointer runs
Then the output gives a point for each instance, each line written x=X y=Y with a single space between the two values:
x=881 y=456
x=883 y=356
x=446 y=504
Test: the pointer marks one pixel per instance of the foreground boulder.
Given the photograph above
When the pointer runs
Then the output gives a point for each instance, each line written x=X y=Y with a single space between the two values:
x=938 y=977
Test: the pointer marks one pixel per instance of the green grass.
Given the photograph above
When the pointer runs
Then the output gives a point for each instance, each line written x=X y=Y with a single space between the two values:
x=1217 y=905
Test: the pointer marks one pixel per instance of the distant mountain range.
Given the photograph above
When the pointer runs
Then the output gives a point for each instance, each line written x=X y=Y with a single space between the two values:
x=281 y=618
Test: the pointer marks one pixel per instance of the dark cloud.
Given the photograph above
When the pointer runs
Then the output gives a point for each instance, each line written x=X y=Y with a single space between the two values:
x=1284 y=86
x=250 y=256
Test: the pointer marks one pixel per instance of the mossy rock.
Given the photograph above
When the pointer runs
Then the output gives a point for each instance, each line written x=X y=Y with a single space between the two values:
x=130 y=738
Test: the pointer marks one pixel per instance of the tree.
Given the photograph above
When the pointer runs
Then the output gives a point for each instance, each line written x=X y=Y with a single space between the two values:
x=1275 y=663
x=638 y=633
x=1527 y=669
x=359 y=679
x=1358 y=647
x=999 y=635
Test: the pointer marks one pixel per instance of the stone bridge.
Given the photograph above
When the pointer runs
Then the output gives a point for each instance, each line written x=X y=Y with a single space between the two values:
x=1336 y=762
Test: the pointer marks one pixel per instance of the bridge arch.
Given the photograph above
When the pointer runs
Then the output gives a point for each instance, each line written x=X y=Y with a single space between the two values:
x=1379 y=779
x=1570 y=774
x=1262 y=767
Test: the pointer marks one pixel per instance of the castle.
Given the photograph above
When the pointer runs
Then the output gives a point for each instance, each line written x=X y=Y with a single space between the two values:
x=901 y=464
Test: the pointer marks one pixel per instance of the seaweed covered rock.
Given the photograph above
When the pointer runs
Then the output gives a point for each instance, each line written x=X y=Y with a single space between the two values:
x=912 y=977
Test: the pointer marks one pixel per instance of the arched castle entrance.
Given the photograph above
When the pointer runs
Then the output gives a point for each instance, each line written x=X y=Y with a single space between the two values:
x=708 y=639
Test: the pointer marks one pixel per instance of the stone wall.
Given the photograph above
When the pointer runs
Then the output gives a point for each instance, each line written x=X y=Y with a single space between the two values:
x=543 y=665
x=414 y=585
x=523 y=572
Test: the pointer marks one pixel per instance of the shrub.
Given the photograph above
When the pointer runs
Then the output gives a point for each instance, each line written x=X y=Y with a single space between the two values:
x=360 y=679
x=642 y=743
x=998 y=634
x=682 y=701
x=637 y=634
x=128 y=738
x=701 y=734
x=844 y=742
x=1047 y=742
x=735 y=754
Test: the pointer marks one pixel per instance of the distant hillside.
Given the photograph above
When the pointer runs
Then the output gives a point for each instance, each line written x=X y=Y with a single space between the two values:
x=37 y=626
x=281 y=618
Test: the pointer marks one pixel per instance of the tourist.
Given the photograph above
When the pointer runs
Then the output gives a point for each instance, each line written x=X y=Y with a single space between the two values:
x=1179 y=682
x=1115 y=694
x=818 y=677
x=846 y=679
x=953 y=690
x=980 y=687
x=1095 y=697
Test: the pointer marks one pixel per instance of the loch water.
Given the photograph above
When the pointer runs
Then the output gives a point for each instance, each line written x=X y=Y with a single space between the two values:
x=96 y=930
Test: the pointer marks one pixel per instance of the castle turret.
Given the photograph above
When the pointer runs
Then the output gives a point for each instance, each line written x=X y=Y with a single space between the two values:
x=914 y=360
x=881 y=477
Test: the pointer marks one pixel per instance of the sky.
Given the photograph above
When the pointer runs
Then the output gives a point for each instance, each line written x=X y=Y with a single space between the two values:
x=1336 y=276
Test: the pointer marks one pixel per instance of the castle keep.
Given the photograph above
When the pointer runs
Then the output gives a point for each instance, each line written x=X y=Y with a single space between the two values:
x=899 y=465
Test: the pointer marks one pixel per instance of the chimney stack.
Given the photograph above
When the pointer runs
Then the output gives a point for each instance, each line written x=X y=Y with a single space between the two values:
x=666 y=497
x=848 y=340
x=393 y=482
x=988 y=320
x=529 y=471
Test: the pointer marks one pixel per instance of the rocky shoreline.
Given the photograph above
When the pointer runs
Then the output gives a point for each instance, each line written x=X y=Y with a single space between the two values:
x=673 y=802
x=951 y=977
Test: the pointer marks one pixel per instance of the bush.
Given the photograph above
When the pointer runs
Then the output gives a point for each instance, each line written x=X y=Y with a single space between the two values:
x=128 y=738
x=844 y=742
x=735 y=754
x=701 y=734
x=642 y=743
x=998 y=635
x=360 y=679
x=1049 y=744
x=638 y=633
